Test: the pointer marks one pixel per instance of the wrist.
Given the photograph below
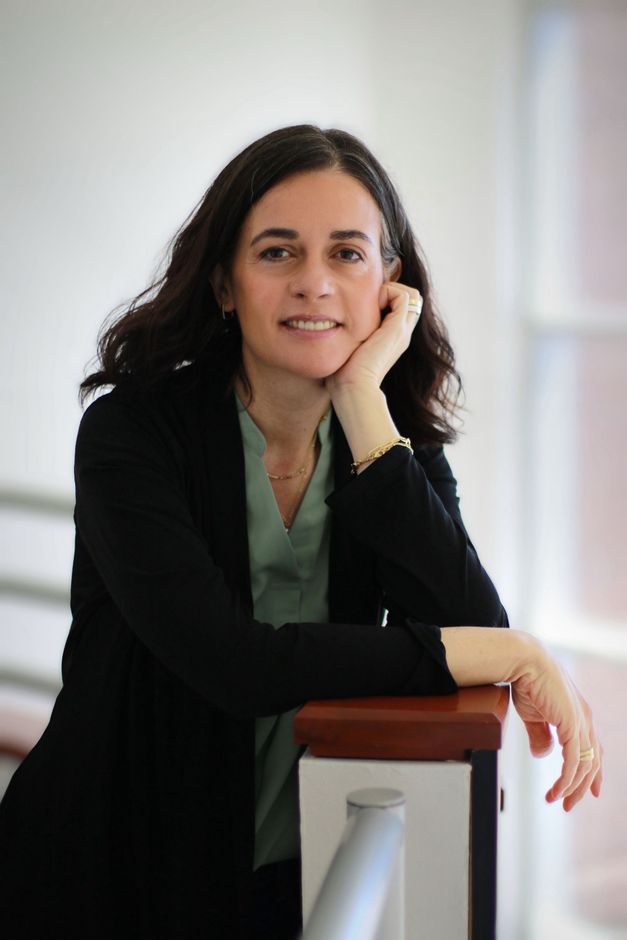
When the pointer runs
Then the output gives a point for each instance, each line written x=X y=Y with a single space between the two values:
x=530 y=658
x=365 y=418
x=350 y=395
x=484 y=655
x=358 y=465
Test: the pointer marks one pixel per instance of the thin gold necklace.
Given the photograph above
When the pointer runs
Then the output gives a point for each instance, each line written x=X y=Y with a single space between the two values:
x=289 y=522
x=300 y=471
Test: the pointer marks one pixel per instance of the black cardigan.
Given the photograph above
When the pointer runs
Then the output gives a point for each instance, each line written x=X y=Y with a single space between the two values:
x=134 y=814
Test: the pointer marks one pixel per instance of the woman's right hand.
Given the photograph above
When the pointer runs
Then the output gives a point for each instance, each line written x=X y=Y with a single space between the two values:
x=374 y=357
x=357 y=398
x=546 y=696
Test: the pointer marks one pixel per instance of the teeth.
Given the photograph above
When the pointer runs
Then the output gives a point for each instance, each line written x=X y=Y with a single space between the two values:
x=311 y=324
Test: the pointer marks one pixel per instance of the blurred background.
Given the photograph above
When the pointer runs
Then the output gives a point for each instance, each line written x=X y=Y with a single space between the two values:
x=503 y=124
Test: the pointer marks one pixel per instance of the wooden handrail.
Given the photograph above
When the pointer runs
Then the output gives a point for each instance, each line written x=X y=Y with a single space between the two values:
x=443 y=727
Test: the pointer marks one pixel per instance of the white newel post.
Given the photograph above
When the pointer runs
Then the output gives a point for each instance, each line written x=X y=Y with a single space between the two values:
x=437 y=814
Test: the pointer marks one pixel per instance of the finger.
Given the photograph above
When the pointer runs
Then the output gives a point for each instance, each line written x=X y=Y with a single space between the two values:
x=540 y=737
x=414 y=309
x=597 y=769
x=398 y=298
x=570 y=764
x=410 y=309
x=595 y=786
x=586 y=776
x=391 y=295
x=569 y=733
x=587 y=768
x=571 y=799
x=414 y=306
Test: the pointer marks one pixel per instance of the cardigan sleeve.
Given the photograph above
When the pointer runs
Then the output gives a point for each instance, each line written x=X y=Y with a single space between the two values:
x=406 y=510
x=134 y=519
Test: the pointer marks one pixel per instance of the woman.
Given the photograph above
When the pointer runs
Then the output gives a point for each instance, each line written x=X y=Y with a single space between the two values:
x=266 y=477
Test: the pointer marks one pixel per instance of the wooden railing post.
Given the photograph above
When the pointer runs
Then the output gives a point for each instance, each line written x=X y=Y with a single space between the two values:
x=442 y=752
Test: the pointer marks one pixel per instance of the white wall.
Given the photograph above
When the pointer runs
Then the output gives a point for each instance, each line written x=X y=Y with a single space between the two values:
x=447 y=127
x=120 y=115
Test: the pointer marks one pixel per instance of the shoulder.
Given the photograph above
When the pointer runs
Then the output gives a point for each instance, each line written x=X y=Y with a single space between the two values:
x=135 y=420
x=187 y=392
x=125 y=410
x=168 y=422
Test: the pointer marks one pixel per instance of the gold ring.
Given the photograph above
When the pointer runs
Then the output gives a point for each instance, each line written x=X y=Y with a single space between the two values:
x=587 y=755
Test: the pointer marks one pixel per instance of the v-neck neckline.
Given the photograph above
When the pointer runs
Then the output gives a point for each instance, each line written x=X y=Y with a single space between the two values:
x=255 y=440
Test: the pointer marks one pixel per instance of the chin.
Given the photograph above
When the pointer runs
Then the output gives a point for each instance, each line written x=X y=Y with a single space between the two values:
x=319 y=371
x=322 y=366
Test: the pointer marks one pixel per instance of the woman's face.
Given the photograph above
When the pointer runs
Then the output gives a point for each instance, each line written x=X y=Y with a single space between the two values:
x=307 y=275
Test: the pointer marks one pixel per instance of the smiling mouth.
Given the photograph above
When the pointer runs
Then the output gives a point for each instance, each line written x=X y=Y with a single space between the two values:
x=311 y=325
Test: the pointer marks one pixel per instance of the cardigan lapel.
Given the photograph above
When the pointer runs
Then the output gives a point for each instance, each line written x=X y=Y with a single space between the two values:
x=227 y=495
x=354 y=595
x=226 y=504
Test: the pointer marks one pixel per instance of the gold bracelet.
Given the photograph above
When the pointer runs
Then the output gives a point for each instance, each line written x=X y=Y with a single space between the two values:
x=381 y=450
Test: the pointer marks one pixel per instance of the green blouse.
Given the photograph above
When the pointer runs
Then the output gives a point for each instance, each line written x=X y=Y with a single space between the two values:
x=289 y=579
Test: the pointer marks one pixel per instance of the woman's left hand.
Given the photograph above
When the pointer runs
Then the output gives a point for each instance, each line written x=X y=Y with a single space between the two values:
x=544 y=696
x=548 y=697
x=372 y=360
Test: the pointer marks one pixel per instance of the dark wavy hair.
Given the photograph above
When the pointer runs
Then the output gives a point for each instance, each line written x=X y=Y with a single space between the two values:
x=177 y=320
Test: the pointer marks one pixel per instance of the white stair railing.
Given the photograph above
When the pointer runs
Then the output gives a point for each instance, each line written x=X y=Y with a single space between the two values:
x=362 y=895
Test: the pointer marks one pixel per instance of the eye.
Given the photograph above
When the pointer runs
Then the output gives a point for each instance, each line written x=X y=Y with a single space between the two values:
x=266 y=253
x=354 y=252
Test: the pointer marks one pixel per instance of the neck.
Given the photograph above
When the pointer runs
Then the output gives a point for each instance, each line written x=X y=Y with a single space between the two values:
x=287 y=412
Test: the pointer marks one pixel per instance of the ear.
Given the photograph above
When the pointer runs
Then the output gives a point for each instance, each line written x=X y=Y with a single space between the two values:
x=393 y=271
x=221 y=285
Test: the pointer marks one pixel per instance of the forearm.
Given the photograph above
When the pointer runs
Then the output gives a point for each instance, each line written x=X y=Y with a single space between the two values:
x=483 y=655
x=426 y=565
x=365 y=419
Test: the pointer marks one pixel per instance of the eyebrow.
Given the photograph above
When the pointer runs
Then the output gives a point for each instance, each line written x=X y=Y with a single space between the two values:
x=336 y=235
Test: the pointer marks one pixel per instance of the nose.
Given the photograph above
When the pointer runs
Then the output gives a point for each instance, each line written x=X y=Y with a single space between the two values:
x=312 y=279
